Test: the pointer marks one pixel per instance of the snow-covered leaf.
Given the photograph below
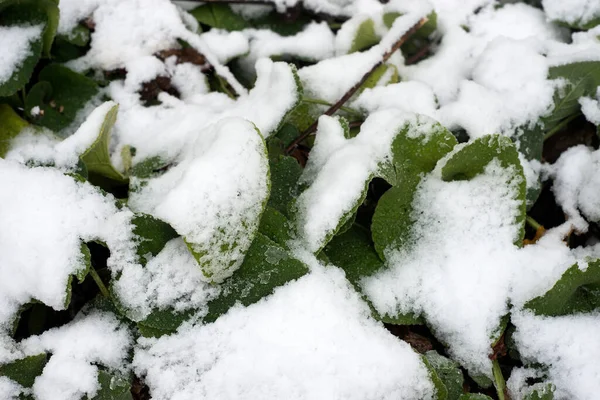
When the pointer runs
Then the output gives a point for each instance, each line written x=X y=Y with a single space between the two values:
x=219 y=16
x=22 y=46
x=25 y=370
x=449 y=373
x=577 y=291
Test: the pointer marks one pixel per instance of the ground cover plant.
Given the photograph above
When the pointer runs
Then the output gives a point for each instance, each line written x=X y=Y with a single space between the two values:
x=284 y=199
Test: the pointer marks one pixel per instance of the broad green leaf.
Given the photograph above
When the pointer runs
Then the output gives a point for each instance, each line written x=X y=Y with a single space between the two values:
x=441 y=392
x=60 y=94
x=353 y=251
x=152 y=235
x=576 y=291
x=365 y=36
x=275 y=226
x=582 y=79
x=413 y=156
x=266 y=266
x=163 y=322
x=97 y=157
x=285 y=173
x=113 y=387
x=25 y=370
x=150 y=167
x=449 y=373
x=474 y=396
x=472 y=159
x=10 y=126
x=22 y=73
x=219 y=16
x=79 y=36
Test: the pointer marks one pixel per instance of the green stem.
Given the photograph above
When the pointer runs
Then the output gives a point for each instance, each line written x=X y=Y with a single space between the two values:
x=99 y=282
x=325 y=103
x=499 y=382
x=533 y=223
x=560 y=126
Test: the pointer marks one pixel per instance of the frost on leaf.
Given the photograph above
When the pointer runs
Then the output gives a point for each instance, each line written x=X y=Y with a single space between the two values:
x=214 y=197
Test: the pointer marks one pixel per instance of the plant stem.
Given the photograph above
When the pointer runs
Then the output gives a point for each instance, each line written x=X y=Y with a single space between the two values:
x=560 y=126
x=533 y=223
x=326 y=103
x=361 y=82
x=499 y=382
x=99 y=282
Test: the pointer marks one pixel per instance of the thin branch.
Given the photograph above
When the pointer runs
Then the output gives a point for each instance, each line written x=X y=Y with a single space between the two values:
x=357 y=86
x=99 y=282
x=419 y=55
x=560 y=126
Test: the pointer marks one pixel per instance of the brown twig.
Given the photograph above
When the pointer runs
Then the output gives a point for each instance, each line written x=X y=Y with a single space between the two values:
x=419 y=55
x=335 y=107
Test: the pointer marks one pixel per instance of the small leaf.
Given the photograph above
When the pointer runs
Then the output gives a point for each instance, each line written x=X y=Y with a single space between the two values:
x=541 y=391
x=266 y=267
x=275 y=226
x=10 y=126
x=438 y=384
x=219 y=16
x=577 y=291
x=449 y=373
x=365 y=36
x=97 y=157
x=113 y=387
x=472 y=159
x=152 y=235
x=60 y=94
x=25 y=370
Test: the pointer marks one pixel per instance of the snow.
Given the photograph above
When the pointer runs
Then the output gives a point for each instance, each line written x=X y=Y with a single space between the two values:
x=42 y=248
x=76 y=349
x=10 y=389
x=576 y=185
x=411 y=96
x=215 y=196
x=572 y=12
x=15 y=44
x=591 y=109
x=568 y=346
x=288 y=345
x=172 y=279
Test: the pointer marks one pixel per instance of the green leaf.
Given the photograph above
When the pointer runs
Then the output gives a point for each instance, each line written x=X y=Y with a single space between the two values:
x=438 y=384
x=149 y=168
x=353 y=251
x=25 y=370
x=219 y=16
x=583 y=78
x=472 y=159
x=10 y=126
x=113 y=387
x=275 y=226
x=577 y=291
x=60 y=94
x=449 y=373
x=81 y=273
x=285 y=173
x=413 y=156
x=266 y=266
x=364 y=37
x=163 y=322
x=152 y=235
x=79 y=36
x=97 y=157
